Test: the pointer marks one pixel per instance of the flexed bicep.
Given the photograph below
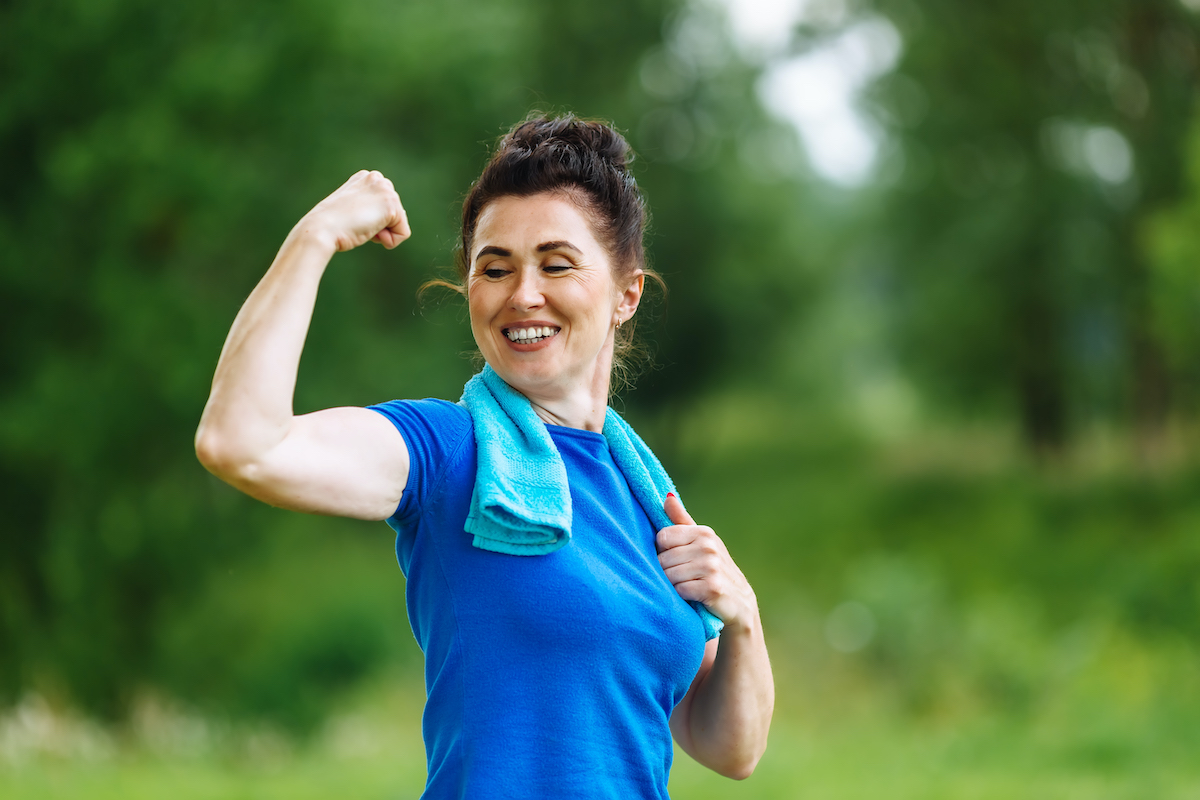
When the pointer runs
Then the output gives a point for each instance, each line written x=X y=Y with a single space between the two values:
x=349 y=462
x=344 y=461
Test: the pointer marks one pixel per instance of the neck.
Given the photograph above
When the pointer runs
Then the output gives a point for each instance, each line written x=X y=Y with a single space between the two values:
x=588 y=416
x=582 y=404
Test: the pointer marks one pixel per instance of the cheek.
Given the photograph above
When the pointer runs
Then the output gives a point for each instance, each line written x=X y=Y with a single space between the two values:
x=477 y=304
x=479 y=328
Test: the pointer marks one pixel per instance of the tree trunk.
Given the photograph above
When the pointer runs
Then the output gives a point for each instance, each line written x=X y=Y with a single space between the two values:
x=1160 y=44
x=1039 y=368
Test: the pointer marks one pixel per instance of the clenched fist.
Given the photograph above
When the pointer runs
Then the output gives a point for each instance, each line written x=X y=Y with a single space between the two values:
x=701 y=569
x=363 y=209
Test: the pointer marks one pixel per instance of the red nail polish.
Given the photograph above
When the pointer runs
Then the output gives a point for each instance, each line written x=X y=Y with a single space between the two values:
x=670 y=494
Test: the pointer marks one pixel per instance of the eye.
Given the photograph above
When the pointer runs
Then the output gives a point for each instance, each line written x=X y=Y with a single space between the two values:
x=494 y=272
x=556 y=267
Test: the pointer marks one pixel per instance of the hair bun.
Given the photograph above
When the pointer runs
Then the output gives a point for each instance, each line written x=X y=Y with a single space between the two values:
x=569 y=135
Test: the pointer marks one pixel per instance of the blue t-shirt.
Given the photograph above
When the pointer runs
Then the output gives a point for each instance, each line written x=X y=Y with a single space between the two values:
x=546 y=676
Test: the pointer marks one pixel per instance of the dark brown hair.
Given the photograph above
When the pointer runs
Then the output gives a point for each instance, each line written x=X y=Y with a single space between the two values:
x=588 y=162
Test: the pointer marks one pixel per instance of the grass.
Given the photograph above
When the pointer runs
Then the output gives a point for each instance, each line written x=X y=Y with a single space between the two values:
x=371 y=750
x=980 y=760
x=944 y=621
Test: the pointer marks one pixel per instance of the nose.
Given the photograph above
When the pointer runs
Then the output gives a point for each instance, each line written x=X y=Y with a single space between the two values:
x=527 y=294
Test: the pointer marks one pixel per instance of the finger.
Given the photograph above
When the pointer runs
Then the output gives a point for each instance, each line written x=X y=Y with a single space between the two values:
x=395 y=226
x=674 y=537
x=694 y=559
x=397 y=229
x=390 y=237
x=696 y=589
x=400 y=223
x=677 y=545
x=687 y=571
x=676 y=512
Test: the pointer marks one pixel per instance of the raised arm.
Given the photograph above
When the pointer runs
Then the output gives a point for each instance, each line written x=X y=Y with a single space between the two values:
x=723 y=720
x=344 y=461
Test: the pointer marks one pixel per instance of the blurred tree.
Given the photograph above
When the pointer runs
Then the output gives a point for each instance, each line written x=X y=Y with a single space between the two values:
x=1031 y=141
x=1174 y=258
x=156 y=154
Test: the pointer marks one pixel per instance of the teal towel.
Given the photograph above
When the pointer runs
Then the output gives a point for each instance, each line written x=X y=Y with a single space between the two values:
x=521 y=504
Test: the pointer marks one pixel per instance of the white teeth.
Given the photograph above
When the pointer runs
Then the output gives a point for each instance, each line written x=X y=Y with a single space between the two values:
x=530 y=334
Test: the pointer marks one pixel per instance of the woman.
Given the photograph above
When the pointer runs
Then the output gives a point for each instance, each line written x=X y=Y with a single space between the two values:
x=547 y=566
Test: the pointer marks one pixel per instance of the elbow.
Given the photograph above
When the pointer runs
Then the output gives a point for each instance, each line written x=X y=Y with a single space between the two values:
x=742 y=774
x=211 y=454
x=739 y=762
x=214 y=453
x=208 y=449
x=740 y=770
x=735 y=762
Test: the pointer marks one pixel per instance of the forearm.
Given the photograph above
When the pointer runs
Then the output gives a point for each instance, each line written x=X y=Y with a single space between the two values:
x=731 y=711
x=249 y=409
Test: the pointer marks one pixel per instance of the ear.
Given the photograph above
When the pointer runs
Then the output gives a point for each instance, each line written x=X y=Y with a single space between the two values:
x=627 y=302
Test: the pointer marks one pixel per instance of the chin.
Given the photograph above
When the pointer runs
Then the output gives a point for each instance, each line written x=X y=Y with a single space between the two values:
x=527 y=382
x=524 y=376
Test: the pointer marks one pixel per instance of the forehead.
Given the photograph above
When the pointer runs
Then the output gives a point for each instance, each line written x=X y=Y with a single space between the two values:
x=515 y=222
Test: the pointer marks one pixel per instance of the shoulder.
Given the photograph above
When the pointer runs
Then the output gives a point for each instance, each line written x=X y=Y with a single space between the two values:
x=432 y=428
x=439 y=436
x=441 y=415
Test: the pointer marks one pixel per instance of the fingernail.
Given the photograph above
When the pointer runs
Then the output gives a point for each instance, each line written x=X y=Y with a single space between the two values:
x=670 y=494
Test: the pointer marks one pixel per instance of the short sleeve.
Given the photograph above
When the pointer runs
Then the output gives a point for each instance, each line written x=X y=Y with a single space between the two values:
x=434 y=430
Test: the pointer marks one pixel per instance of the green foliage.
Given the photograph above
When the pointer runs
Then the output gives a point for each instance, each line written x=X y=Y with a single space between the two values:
x=1169 y=237
x=986 y=588
x=1031 y=637
x=156 y=155
x=1031 y=141
x=282 y=635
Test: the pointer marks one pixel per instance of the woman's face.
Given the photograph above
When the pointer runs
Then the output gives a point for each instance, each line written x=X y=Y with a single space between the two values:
x=542 y=296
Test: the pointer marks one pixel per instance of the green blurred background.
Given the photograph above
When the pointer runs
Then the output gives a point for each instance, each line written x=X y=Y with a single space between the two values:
x=930 y=363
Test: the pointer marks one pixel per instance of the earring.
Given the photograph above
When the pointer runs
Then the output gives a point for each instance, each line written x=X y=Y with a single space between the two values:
x=618 y=323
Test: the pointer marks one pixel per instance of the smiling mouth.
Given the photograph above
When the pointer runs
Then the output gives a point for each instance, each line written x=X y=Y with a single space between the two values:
x=530 y=335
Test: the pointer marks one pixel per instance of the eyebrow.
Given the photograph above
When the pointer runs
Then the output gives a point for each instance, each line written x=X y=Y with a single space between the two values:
x=544 y=247
x=492 y=250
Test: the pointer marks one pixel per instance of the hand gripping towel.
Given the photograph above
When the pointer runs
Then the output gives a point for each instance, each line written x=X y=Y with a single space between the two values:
x=521 y=504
